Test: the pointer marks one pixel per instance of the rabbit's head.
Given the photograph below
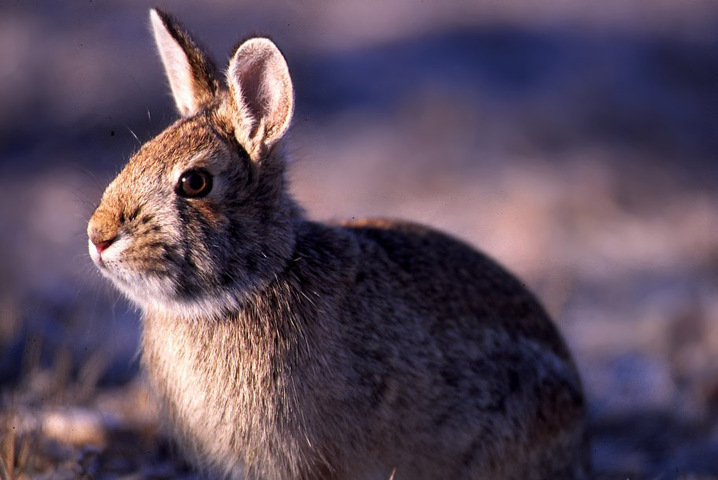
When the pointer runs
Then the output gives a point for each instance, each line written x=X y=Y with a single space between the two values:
x=200 y=215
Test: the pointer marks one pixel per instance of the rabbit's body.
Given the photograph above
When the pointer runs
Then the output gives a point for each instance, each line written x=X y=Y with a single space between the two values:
x=382 y=346
x=283 y=349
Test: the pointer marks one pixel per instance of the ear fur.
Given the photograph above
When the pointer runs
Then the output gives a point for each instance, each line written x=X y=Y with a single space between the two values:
x=261 y=93
x=191 y=73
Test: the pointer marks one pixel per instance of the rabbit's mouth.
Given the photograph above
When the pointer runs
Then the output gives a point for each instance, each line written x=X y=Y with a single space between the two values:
x=103 y=252
x=109 y=255
x=137 y=284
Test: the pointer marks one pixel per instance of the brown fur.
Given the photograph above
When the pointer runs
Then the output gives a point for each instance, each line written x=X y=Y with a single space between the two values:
x=281 y=348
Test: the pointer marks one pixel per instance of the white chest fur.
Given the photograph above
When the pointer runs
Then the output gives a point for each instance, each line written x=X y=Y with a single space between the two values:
x=200 y=394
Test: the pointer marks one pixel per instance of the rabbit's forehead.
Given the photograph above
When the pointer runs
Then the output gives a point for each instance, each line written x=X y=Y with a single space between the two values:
x=181 y=146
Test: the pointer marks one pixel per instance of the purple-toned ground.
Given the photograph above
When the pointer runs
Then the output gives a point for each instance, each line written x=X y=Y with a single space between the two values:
x=576 y=142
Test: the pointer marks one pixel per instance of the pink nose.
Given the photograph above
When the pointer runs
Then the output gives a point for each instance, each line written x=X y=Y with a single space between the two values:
x=103 y=245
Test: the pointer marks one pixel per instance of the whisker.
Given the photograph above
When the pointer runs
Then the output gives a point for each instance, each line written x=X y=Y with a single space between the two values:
x=133 y=133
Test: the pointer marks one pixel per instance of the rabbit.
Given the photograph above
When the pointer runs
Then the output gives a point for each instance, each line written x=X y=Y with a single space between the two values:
x=283 y=348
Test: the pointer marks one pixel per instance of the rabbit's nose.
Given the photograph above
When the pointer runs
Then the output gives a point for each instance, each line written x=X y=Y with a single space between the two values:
x=101 y=242
x=101 y=234
x=103 y=245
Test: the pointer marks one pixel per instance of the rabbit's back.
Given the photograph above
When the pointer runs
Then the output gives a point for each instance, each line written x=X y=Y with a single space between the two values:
x=449 y=344
x=461 y=287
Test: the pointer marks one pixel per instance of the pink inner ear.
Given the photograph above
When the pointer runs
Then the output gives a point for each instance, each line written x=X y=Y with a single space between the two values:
x=262 y=90
x=254 y=91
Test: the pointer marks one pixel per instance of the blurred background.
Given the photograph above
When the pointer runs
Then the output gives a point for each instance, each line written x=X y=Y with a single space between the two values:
x=574 y=141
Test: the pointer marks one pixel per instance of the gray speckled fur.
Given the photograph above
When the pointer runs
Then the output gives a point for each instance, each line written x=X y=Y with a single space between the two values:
x=282 y=348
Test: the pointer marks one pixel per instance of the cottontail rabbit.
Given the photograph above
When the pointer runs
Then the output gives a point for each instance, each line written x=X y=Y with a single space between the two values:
x=281 y=348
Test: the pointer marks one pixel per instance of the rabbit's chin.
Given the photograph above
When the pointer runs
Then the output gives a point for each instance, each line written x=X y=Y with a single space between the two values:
x=158 y=294
x=160 y=298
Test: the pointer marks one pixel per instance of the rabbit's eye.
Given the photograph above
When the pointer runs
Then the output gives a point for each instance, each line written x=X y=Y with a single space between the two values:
x=194 y=184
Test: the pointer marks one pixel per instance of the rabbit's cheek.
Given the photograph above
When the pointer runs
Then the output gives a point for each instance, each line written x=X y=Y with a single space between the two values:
x=212 y=215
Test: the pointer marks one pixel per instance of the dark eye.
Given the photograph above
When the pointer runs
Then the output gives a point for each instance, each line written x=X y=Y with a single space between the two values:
x=194 y=184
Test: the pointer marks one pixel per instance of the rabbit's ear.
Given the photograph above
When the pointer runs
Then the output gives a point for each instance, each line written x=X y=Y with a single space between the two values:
x=261 y=90
x=191 y=73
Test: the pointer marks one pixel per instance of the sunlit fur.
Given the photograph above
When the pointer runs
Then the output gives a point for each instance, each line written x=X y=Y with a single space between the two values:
x=285 y=349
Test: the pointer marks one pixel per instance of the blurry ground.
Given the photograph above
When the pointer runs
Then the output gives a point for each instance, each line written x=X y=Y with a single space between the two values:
x=576 y=142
